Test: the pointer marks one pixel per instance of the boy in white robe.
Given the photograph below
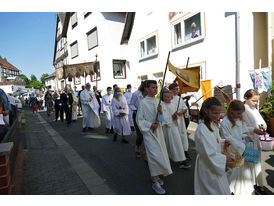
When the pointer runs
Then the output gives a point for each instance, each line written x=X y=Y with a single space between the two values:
x=171 y=131
x=128 y=95
x=153 y=136
x=120 y=115
x=106 y=108
x=90 y=107
x=182 y=109
x=210 y=176
x=234 y=129
x=253 y=119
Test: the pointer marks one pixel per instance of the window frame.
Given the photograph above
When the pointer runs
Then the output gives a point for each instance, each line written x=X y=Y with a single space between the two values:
x=124 y=69
x=76 y=23
x=77 y=83
x=144 y=39
x=182 y=21
x=86 y=14
x=73 y=43
x=88 y=33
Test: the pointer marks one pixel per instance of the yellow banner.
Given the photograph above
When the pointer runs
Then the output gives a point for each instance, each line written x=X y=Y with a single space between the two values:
x=206 y=89
x=188 y=79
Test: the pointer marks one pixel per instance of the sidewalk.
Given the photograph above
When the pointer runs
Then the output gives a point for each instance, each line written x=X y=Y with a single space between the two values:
x=45 y=168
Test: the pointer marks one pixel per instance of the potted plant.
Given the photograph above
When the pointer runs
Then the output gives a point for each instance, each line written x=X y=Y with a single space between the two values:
x=267 y=111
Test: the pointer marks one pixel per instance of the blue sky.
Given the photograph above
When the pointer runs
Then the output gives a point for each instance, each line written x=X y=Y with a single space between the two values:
x=27 y=41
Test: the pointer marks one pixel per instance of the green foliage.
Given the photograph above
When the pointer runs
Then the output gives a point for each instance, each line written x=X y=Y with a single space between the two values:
x=33 y=77
x=42 y=78
x=33 y=82
x=267 y=110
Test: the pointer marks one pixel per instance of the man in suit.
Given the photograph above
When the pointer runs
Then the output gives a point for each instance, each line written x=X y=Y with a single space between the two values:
x=98 y=96
x=66 y=101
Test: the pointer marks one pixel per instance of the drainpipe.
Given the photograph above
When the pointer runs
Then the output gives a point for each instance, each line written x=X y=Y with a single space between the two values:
x=237 y=41
x=269 y=40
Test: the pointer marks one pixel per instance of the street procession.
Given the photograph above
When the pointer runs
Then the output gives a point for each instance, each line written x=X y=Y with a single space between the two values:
x=138 y=104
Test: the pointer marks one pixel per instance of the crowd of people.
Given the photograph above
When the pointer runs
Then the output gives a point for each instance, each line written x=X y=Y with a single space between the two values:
x=161 y=126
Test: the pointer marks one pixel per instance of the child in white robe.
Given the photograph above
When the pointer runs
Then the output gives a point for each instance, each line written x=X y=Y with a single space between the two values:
x=210 y=176
x=233 y=128
x=120 y=111
x=128 y=96
x=154 y=142
x=253 y=119
x=174 y=88
x=171 y=131
x=106 y=108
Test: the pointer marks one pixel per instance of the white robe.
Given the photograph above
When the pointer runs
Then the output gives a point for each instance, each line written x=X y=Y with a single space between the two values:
x=106 y=107
x=171 y=133
x=128 y=96
x=241 y=179
x=74 y=107
x=181 y=120
x=90 y=110
x=154 y=142
x=253 y=119
x=210 y=177
x=121 y=124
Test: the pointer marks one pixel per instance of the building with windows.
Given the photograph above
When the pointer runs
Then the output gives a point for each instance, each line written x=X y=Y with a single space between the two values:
x=50 y=82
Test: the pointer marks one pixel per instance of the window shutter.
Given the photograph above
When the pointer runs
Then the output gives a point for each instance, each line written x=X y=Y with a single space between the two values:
x=92 y=38
x=73 y=19
x=74 y=50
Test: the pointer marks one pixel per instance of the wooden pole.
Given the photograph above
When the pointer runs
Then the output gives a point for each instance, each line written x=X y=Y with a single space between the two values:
x=161 y=91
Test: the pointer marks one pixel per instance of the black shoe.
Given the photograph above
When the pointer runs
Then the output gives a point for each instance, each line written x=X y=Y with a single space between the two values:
x=187 y=155
x=111 y=131
x=107 y=130
x=184 y=165
x=114 y=137
x=84 y=130
x=90 y=129
x=74 y=120
x=124 y=141
x=132 y=128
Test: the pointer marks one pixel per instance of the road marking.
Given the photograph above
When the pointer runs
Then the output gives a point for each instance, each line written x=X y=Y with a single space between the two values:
x=91 y=179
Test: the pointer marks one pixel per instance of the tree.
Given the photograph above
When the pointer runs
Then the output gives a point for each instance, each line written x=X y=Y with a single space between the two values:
x=33 y=77
x=42 y=78
x=26 y=79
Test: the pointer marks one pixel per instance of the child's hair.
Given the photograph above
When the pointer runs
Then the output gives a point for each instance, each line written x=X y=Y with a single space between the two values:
x=166 y=92
x=250 y=93
x=142 y=86
x=209 y=103
x=172 y=86
x=129 y=86
x=149 y=82
x=109 y=88
x=235 y=105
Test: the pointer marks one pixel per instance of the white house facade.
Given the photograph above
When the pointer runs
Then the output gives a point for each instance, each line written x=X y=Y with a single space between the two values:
x=50 y=82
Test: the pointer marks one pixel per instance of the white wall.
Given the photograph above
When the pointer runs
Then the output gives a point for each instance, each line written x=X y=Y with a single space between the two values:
x=9 y=89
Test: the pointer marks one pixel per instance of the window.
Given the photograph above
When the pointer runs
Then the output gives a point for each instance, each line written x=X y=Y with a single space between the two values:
x=119 y=69
x=74 y=49
x=148 y=46
x=96 y=76
x=188 y=29
x=77 y=80
x=92 y=38
x=62 y=43
x=73 y=18
x=86 y=14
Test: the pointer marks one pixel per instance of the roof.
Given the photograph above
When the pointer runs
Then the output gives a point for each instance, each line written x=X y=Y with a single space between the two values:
x=129 y=21
x=51 y=75
x=5 y=64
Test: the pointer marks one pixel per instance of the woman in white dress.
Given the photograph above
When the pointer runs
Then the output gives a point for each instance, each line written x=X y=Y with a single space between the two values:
x=210 y=176
x=120 y=111
x=233 y=128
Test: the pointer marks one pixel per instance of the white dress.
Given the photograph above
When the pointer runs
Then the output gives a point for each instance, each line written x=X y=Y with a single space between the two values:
x=171 y=133
x=128 y=96
x=240 y=179
x=121 y=124
x=154 y=142
x=252 y=118
x=210 y=176
x=90 y=110
x=181 y=120
x=106 y=107
x=74 y=106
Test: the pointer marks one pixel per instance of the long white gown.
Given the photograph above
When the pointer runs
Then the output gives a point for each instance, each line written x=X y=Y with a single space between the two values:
x=240 y=179
x=128 y=96
x=210 y=176
x=121 y=124
x=74 y=107
x=154 y=142
x=253 y=119
x=181 y=120
x=106 y=107
x=90 y=110
x=172 y=136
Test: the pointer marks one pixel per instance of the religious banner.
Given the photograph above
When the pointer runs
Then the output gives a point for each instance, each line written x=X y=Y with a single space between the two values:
x=188 y=79
x=206 y=89
x=60 y=73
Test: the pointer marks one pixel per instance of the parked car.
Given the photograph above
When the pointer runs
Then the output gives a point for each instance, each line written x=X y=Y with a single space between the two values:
x=15 y=101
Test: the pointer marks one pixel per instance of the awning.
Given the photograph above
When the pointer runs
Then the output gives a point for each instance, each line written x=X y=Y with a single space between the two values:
x=75 y=70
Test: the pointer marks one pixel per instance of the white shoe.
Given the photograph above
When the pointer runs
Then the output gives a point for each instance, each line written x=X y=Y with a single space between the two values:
x=157 y=188
x=160 y=181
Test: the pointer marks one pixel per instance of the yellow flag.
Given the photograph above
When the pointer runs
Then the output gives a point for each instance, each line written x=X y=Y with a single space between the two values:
x=188 y=79
x=206 y=89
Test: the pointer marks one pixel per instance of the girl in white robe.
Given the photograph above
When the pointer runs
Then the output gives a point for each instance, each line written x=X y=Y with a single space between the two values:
x=233 y=128
x=106 y=108
x=253 y=119
x=120 y=111
x=210 y=176
x=170 y=129
x=154 y=142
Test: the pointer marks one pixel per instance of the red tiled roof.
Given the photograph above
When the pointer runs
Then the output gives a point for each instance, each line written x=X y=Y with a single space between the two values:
x=6 y=83
x=5 y=64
